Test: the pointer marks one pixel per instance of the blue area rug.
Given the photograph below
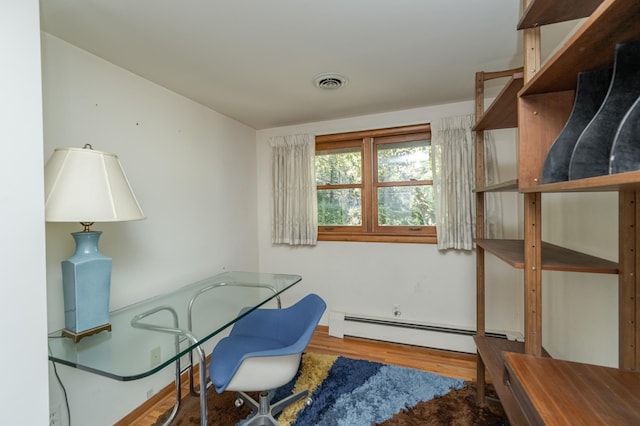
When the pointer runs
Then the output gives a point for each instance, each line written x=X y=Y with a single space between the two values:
x=353 y=392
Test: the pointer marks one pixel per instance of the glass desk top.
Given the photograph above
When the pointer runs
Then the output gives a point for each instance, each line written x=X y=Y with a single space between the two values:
x=151 y=334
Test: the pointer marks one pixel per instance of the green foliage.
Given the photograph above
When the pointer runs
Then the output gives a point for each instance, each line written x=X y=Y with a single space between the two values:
x=406 y=206
x=397 y=205
x=339 y=207
x=337 y=167
x=403 y=162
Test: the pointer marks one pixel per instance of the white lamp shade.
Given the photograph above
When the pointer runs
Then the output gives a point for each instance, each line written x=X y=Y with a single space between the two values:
x=85 y=185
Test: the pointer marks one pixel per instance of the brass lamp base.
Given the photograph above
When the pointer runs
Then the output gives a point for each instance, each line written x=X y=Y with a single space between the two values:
x=77 y=336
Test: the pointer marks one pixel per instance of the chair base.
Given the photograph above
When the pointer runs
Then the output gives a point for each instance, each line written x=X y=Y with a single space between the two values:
x=265 y=411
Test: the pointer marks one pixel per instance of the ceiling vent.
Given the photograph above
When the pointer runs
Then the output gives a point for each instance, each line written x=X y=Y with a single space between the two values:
x=330 y=81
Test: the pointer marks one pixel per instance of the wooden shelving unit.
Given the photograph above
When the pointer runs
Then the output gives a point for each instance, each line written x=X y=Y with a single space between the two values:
x=581 y=394
x=545 y=12
x=503 y=112
x=507 y=186
x=591 y=47
x=554 y=258
x=629 y=181
x=542 y=105
x=490 y=352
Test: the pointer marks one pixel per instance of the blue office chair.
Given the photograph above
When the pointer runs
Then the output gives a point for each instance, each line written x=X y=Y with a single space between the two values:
x=262 y=353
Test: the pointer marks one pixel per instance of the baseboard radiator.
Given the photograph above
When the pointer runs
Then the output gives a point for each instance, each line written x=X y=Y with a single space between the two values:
x=408 y=332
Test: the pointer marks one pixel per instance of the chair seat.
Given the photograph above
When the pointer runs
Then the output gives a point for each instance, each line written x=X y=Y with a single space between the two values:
x=232 y=351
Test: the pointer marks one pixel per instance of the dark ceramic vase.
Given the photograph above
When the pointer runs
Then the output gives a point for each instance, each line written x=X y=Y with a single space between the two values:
x=592 y=152
x=590 y=93
x=625 y=152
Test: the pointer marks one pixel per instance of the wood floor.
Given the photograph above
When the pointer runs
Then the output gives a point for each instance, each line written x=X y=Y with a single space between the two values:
x=452 y=364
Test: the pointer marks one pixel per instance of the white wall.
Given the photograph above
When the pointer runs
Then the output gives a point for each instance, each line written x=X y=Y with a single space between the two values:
x=368 y=278
x=23 y=358
x=580 y=310
x=193 y=172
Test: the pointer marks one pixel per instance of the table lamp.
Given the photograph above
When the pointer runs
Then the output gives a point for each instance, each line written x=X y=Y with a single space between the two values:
x=85 y=185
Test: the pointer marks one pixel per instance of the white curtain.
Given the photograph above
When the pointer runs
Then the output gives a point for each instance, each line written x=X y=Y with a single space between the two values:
x=453 y=146
x=492 y=200
x=295 y=210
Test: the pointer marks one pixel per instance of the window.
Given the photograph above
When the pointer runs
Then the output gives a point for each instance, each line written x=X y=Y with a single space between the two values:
x=376 y=185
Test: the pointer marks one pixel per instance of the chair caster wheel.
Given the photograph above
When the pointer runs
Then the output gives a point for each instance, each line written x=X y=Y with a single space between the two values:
x=308 y=401
x=239 y=402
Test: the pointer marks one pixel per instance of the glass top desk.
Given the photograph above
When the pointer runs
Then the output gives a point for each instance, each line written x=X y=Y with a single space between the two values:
x=151 y=334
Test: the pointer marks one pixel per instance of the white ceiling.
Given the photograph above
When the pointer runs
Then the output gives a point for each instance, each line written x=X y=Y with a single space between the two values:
x=255 y=60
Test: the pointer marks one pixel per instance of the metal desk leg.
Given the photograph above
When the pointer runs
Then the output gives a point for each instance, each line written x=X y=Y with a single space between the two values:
x=178 y=383
x=203 y=385
x=136 y=322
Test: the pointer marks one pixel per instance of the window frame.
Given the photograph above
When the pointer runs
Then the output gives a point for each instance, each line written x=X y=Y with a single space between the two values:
x=369 y=230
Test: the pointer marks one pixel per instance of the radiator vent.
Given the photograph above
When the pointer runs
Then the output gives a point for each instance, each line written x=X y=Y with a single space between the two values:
x=418 y=326
x=408 y=332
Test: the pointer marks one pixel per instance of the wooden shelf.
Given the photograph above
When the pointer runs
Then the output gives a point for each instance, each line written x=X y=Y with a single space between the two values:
x=507 y=186
x=554 y=258
x=490 y=350
x=503 y=111
x=544 y=12
x=615 y=182
x=591 y=47
x=553 y=391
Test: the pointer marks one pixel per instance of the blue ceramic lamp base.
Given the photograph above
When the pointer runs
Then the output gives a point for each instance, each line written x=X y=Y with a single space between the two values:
x=76 y=337
x=86 y=282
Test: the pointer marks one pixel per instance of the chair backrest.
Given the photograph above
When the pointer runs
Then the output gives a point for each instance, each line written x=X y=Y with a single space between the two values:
x=292 y=326
x=301 y=320
x=274 y=333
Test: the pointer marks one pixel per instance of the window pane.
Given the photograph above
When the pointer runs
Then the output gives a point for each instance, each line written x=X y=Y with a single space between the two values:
x=339 y=166
x=405 y=161
x=339 y=207
x=406 y=206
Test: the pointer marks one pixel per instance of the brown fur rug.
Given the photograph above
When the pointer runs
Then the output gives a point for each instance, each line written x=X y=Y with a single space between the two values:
x=458 y=407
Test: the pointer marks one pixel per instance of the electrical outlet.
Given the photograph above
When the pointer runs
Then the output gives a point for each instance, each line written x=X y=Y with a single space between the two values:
x=54 y=416
x=396 y=310
x=154 y=356
x=150 y=393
